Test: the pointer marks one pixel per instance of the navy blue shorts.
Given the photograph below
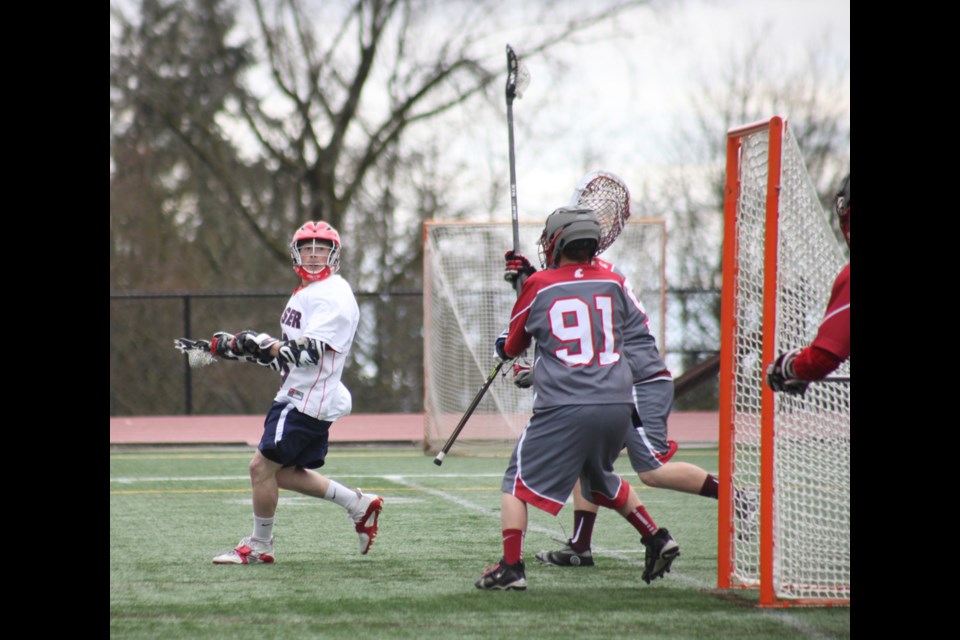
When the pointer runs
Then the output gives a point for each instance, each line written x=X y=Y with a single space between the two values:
x=293 y=439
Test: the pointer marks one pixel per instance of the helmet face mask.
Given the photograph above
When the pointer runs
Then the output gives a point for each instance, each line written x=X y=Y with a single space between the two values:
x=842 y=207
x=562 y=227
x=310 y=239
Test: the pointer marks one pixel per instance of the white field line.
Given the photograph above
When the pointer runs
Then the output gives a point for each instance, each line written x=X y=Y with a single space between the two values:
x=339 y=475
x=782 y=617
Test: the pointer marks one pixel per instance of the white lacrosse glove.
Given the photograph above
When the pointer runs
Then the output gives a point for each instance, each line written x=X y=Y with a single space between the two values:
x=225 y=345
x=255 y=347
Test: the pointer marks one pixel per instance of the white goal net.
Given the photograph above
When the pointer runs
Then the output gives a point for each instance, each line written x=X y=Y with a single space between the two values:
x=805 y=459
x=467 y=304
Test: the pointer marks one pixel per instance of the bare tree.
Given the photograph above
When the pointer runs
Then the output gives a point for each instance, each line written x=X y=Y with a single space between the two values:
x=234 y=122
x=327 y=119
x=172 y=74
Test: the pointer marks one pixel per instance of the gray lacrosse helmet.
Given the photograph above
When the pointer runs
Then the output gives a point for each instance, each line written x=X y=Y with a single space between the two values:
x=563 y=226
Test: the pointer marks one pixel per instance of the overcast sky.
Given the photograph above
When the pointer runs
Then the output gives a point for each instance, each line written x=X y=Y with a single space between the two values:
x=619 y=103
x=626 y=107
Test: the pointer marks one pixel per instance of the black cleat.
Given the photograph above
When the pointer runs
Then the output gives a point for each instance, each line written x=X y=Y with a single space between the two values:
x=566 y=557
x=503 y=576
x=662 y=550
x=746 y=507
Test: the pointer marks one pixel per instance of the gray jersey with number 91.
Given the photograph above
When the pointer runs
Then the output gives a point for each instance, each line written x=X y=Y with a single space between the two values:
x=577 y=314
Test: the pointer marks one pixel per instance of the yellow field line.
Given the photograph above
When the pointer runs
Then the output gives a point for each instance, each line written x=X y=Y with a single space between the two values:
x=246 y=456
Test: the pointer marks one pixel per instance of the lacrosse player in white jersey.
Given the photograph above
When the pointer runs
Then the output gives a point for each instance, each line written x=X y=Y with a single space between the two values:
x=318 y=325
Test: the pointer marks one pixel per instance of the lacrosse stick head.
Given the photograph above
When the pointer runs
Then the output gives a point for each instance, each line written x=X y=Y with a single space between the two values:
x=607 y=194
x=517 y=76
x=198 y=352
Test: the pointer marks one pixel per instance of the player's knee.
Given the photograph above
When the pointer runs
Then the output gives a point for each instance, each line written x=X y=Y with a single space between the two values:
x=651 y=478
x=260 y=468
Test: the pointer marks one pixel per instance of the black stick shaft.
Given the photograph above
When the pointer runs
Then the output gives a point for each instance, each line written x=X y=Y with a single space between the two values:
x=513 y=180
x=511 y=93
x=466 y=416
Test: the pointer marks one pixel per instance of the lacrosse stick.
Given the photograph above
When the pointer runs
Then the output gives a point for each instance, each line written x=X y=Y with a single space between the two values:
x=517 y=80
x=198 y=352
x=607 y=194
x=469 y=412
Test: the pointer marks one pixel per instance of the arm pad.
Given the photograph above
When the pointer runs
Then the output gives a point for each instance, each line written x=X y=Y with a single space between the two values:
x=263 y=361
x=302 y=352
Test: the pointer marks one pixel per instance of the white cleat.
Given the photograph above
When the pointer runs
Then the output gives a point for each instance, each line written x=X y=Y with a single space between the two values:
x=365 y=519
x=248 y=551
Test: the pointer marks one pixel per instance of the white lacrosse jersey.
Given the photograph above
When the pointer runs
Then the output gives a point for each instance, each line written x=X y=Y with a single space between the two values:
x=326 y=311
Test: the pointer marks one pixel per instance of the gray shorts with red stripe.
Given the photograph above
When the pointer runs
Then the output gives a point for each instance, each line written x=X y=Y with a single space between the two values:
x=564 y=443
x=647 y=443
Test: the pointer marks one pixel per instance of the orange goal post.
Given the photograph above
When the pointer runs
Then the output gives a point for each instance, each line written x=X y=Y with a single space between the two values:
x=786 y=456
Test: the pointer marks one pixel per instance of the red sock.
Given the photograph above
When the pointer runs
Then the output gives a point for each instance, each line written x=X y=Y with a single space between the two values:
x=711 y=487
x=512 y=546
x=642 y=521
x=582 y=530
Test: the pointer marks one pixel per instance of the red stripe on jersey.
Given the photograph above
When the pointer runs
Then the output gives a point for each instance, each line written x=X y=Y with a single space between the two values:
x=323 y=392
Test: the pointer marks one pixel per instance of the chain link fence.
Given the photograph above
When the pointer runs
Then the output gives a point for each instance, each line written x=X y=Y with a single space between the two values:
x=148 y=376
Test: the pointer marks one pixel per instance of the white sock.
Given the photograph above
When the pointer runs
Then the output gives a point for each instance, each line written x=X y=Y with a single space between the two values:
x=346 y=498
x=262 y=528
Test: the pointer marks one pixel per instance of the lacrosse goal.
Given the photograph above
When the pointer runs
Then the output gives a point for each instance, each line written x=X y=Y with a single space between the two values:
x=788 y=455
x=467 y=304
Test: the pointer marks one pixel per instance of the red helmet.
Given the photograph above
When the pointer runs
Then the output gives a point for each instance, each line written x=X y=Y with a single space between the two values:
x=316 y=233
x=842 y=206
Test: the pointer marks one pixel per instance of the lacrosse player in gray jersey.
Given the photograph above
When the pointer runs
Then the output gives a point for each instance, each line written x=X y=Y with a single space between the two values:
x=576 y=311
x=647 y=444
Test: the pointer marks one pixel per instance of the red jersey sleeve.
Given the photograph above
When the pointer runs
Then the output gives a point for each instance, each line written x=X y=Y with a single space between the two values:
x=814 y=363
x=832 y=344
x=834 y=332
x=517 y=337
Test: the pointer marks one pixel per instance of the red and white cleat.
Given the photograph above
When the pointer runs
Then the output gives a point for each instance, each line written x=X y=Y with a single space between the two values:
x=366 y=518
x=248 y=551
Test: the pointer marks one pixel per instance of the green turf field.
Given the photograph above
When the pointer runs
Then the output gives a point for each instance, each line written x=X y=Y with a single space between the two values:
x=172 y=511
